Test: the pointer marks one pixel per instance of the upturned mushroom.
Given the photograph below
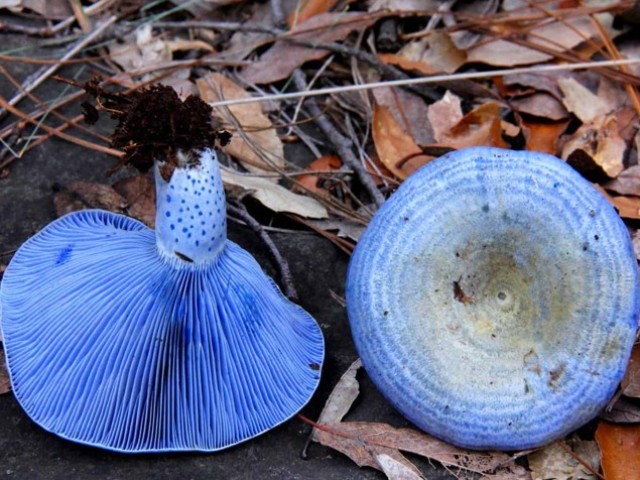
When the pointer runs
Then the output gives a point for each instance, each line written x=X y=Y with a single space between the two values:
x=494 y=299
x=132 y=340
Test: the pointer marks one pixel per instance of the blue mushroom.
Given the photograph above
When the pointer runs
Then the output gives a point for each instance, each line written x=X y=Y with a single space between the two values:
x=132 y=340
x=494 y=299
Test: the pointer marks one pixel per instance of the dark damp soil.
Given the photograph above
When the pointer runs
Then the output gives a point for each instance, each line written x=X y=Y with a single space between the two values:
x=153 y=123
x=318 y=268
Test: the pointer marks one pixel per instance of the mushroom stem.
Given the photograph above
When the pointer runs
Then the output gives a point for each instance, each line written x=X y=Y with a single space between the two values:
x=191 y=222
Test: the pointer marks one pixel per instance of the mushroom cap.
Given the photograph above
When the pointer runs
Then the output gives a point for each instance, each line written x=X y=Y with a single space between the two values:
x=111 y=344
x=494 y=299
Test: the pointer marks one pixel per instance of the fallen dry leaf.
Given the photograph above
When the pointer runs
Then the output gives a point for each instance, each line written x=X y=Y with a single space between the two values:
x=341 y=397
x=481 y=126
x=257 y=144
x=620 y=449
x=436 y=53
x=5 y=383
x=405 y=63
x=403 y=5
x=82 y=195
x=555 y=462
x=182 y=45
x=409 y=111
x=283 y=57
x=362 y=441
x=630 y=384
x=596 y=149
x=275 y=197
x=611 y=93
x=623 y=410
x=444 y=114
x=16 y=5
x=579 y=100
x=540 y=82
x=541 y=105
x=396 y=148
x=378 y=445
x=310 y=181
x=398 y=468
x=626 y=183
x=140 y=195
x=344 y=228
x=628 y=207
x=379 y=173
x=556 y=36
x=50 y=9
x=243 y=42
x=306 y=9
x=140 y=49
x=543 y=136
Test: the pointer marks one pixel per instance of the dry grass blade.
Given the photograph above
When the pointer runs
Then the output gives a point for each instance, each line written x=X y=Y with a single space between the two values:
x=58 y=133
x=88 y=39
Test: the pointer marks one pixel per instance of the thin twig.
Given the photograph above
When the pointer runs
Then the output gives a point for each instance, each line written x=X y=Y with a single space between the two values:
x=40 y=111
x=343 y=144
x=578 y=459
x=49 y=108
x=292 y=37
x=50 y=31
x=70 y=138
x=277 y=12
x=432 y=79
x=237 y=208
x=79 y=46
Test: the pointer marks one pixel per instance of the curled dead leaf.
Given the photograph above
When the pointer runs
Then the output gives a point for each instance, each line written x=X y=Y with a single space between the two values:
x=278 y=62
x=273 y=196
x=596 y=149
x=628 y=207
x=626 y=183
x=363 y=442
x=379 y=445
x=409 y=111
x=481 y=126
x=555 y=461
x=553 y=36
x=309 y=8
x=543 y=136
x=436 y=53
x=140 y=49
x=630 y=384
x=624 y=410
x=311 y=181
x=541 y=105
x=620 y=449
x=444 y=114
x=341 y=397
x=579 y=100
x=396 y=149
x=182 y=45
x=256 y=144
